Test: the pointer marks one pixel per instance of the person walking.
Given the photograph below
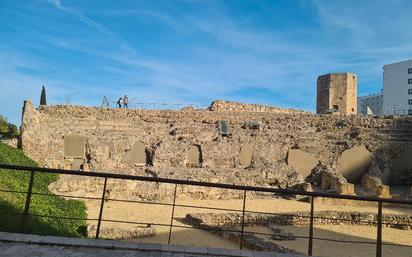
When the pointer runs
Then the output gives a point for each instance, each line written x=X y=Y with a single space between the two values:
x=119 y=103
x=125 y=101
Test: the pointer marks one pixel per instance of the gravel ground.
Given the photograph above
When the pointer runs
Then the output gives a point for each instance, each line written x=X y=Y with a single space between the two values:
x=162 y=214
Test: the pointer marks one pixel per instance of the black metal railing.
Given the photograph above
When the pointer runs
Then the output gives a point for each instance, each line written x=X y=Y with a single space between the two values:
x=312 y=195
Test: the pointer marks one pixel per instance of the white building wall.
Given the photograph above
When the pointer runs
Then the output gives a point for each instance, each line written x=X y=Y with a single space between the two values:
x=395 y=88
x=374 y=102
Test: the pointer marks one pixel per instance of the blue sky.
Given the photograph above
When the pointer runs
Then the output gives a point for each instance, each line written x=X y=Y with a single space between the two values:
x=194 y=51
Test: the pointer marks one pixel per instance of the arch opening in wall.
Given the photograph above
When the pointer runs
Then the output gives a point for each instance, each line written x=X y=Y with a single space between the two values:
x=137 y=155
x=194 y=157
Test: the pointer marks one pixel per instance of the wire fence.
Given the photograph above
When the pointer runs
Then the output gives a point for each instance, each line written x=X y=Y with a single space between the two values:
x=26 y=214
x=135 y=104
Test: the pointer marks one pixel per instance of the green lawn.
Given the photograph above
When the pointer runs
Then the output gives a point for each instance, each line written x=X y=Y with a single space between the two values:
x=40 y=205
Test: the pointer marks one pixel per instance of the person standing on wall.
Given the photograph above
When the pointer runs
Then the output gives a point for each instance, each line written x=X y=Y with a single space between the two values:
x=125 y=101
x=119 y=103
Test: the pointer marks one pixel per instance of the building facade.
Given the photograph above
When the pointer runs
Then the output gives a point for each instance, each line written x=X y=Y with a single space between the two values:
x=397 y=88
x=370 y=104
x=337 y=92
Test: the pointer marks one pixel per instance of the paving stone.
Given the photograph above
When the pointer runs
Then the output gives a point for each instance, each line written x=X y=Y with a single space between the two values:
x=83 y=249
x=218 y=251
x=194 y=250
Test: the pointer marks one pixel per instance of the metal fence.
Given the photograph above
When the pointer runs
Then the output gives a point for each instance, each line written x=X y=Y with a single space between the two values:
x=245 y=189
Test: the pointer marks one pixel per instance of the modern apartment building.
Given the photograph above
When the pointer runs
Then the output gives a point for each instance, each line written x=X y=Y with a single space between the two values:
x=397 y=88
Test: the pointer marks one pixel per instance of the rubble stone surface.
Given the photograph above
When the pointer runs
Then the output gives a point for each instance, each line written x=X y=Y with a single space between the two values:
x=168 y=137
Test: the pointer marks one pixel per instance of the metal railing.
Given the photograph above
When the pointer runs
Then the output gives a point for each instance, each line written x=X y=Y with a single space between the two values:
x=106 y=176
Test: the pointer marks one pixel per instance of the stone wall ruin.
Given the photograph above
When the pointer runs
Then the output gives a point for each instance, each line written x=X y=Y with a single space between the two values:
x=276 y=148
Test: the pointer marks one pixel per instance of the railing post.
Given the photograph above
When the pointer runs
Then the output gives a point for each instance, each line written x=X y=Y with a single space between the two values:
x=101 y=208
x=25 y=220
x=379 y=236
x=243 y=219
x=312 y=207
x=172 y=216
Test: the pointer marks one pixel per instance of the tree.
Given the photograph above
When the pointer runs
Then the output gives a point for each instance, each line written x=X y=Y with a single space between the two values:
x=4 y=125
x=7 y=129
x=43 y=97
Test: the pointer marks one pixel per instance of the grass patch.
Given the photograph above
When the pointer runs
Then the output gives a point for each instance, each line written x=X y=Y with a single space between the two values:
x=40 y=205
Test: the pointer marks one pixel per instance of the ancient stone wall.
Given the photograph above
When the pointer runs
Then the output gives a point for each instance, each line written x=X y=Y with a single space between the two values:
x=221 y=105
x=400 y=221
x=187 y=144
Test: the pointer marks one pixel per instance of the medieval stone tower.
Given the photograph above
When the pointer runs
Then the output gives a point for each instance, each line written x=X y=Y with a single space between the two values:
x=337 y=92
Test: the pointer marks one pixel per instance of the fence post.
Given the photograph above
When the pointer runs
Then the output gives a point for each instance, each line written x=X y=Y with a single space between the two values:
x=379 y=236
x=173 y=214
x=25 y=220
x=312 y=207
x=101 y=208
x=243 y=219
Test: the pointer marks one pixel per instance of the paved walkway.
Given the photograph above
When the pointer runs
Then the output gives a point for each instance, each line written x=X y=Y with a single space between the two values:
x=20 y=245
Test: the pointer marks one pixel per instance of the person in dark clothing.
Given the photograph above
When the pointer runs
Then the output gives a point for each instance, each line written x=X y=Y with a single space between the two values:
x=125 y=101
x=119 y=103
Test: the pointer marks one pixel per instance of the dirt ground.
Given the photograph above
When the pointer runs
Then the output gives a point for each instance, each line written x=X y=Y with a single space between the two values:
x=158 y=214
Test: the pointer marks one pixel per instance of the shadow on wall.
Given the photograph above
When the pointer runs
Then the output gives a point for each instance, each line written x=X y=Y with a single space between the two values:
x=397 y=154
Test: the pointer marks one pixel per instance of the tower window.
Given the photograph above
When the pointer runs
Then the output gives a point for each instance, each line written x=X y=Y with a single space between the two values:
x=410 y=91
x=410 y=112
x=410 y=71
x=409 y=81
x=410 y=101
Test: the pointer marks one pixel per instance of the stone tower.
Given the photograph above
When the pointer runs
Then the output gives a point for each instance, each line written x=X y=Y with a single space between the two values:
x=337 y=92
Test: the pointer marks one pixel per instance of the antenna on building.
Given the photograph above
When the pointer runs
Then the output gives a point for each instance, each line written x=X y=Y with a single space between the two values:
x=105 y=102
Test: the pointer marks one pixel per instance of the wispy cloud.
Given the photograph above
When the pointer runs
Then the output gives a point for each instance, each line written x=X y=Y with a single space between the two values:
x=196 y=51
x=80 y=17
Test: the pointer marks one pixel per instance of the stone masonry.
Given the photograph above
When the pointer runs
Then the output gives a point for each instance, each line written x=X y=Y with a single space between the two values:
x=187 y=144
x=337 y=92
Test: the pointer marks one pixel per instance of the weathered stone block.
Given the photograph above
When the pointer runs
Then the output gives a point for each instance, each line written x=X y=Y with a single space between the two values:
x=302 y=161
x=245 y=156
x=137 y=155
x=354 y=162
x=194 y=157
x=371 y=182
x=74 y=146
x=346 y=189
x=384 y=191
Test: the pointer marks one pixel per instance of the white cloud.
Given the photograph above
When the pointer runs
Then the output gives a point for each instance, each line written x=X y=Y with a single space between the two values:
x=80 y=17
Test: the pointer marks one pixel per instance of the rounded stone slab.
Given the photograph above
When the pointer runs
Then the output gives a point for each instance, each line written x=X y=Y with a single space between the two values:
x=194 y=156
x=354 y=162
x=302 y=161
x=245 y=156
x=136 y=155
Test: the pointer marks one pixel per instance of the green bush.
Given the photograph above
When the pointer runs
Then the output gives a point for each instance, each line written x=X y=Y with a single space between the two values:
x=12 y=204
x=7 y=129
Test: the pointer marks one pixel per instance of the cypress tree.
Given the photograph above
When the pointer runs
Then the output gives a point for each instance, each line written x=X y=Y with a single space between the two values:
x=43 y=97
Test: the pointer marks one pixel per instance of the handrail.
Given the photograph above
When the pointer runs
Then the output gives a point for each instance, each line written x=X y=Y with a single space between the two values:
x=312 y=195
x=202 y=184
